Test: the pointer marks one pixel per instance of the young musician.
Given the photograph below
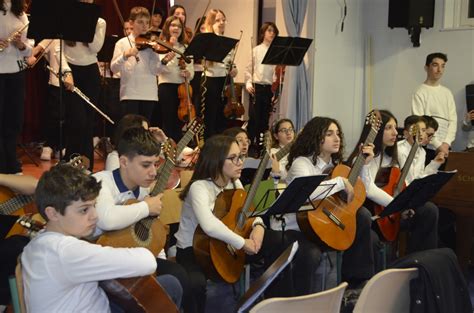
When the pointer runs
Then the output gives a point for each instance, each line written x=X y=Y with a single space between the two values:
x=51 y=49
x=318 y=148
x=61 y=272
x=259 y=78
x=12 y=246
x=15 y=46
x=419 y=225
x=173 y=74
x=156 y=20
x=424 y=225
x=216 y=73
x=138 y=68
x=242 y=138
x=79 y=122
x=179 y=11
x=283 y=133
x=138 y=152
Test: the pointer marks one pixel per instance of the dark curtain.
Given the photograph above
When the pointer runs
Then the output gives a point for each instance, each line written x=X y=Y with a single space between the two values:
x=37 y=78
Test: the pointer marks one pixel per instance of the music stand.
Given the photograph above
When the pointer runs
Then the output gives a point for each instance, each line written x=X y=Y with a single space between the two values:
x=210 y=47
x=287 y=51
x=417 y=193
x=261 y=283
x=63 y=20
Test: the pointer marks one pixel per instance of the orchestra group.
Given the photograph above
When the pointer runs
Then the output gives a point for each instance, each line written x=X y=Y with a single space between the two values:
x=64 y=266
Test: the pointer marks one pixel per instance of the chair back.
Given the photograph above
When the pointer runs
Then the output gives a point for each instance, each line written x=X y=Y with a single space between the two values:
x=388 y=292
x=328 y=301
x=19 y=286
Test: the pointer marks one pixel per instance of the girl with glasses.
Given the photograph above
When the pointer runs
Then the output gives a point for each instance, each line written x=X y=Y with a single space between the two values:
x=218 y=168
x=283 y=134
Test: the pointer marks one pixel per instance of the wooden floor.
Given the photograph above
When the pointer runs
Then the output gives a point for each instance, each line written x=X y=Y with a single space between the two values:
x=30 y=156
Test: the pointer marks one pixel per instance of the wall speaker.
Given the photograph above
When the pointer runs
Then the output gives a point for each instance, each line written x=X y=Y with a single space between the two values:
x=411 y=13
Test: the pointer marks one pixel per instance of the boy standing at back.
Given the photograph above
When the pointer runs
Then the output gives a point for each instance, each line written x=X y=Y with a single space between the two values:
x=61 y=272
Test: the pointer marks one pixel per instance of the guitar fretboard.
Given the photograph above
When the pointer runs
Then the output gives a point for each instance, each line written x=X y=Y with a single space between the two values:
x=15 y=203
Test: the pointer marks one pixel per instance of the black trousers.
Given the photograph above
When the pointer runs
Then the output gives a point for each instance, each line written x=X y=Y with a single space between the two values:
x=169 y=103
x=11 y=248
x=52 y=118
x=12 y=102
x=141 y=107
x=196 y=85
x=259 y=112
x=109 y=102
x=422 y=228
x=79 y=126
x=214 y=119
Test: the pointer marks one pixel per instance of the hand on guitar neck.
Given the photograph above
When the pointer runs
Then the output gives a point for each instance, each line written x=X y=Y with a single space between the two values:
x=154 y=204
x=368 y=152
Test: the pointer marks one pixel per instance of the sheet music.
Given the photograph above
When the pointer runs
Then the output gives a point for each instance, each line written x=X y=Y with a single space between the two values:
x=250 y=301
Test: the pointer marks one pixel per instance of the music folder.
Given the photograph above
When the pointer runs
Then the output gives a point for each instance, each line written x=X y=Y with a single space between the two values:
x=295 y=195
x=261 y=283
x=210 y=46
x=287 y=51
x=417 y=193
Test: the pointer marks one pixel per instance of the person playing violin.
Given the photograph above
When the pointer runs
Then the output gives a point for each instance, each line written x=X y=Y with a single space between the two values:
x=138 y=68
x=216 y=73
x=173 y=74
x=258 y=81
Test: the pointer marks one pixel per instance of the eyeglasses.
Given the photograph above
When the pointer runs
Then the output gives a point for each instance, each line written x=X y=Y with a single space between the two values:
x=235 y=159
x=286 y=130
x=430 y=135
x=175 y=25
x=240 y=140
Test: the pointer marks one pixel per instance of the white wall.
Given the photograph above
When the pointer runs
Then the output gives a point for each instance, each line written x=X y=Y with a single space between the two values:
x=344 y=87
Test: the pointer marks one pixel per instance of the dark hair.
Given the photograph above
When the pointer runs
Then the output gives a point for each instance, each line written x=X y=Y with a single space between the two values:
x=128 y=121
x=430 y=57
x=199 y=22
x=174 y=8
x=137 y=141
x=412 y=120
x=276 y=127
x=309 y=141
x=157 y=11
x=17 y=7
x=263 y=29
x=211 y=160
x=431 y=122
x=165 y=32
x=386 y=116
x=62 y=185
x=234 y=131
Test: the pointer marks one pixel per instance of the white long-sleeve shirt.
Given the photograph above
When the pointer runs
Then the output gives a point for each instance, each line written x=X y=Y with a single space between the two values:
x=52 y=53
x=218 y=69
x=417 y=168
x=438 y=102
x=137 y=79
x=83 y=55
x=197 y=210
x=303 y=166
x=262 y=74
x=171 y=72
x=11 y=58
x=375 y=193
x=61 y=273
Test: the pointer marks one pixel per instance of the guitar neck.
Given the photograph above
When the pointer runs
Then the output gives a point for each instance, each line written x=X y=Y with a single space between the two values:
x=360 y=160
x=406 y=167
x=15 y=203
x=283 y=151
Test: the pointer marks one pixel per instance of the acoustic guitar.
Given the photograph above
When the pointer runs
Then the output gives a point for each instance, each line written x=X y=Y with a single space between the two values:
x=389 y=226
x=219 y=260
x=333 y=223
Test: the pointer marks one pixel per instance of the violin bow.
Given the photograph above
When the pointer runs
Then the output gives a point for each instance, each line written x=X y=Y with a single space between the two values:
x=119 y=14
x=253 y=70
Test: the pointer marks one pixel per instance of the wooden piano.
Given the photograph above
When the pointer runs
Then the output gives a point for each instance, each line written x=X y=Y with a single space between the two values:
x=458 y=196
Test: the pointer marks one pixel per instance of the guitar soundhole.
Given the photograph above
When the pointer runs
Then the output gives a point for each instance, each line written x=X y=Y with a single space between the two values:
x=141 y=231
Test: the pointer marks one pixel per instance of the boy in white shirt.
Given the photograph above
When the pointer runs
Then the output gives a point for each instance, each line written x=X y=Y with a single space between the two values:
x=61 y=272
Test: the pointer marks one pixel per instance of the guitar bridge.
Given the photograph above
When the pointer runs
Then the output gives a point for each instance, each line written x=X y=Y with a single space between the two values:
x=333 y=218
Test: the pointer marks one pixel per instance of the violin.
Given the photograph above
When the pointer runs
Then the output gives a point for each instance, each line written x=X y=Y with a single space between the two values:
x=186 y=110
x=278 y=83
x=150 y=40
x=233 y=108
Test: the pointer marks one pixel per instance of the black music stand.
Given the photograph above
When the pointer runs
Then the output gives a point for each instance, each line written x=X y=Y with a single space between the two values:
x=63 y=20
x=287 y=51
x=417 y=193
x=210 y=47
x=261 y=283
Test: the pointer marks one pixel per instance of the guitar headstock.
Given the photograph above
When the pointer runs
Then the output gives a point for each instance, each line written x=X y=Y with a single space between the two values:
x=196 y=125
x=81 y=162
x=169 y=149
x=414 y=132
x=374 y=119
